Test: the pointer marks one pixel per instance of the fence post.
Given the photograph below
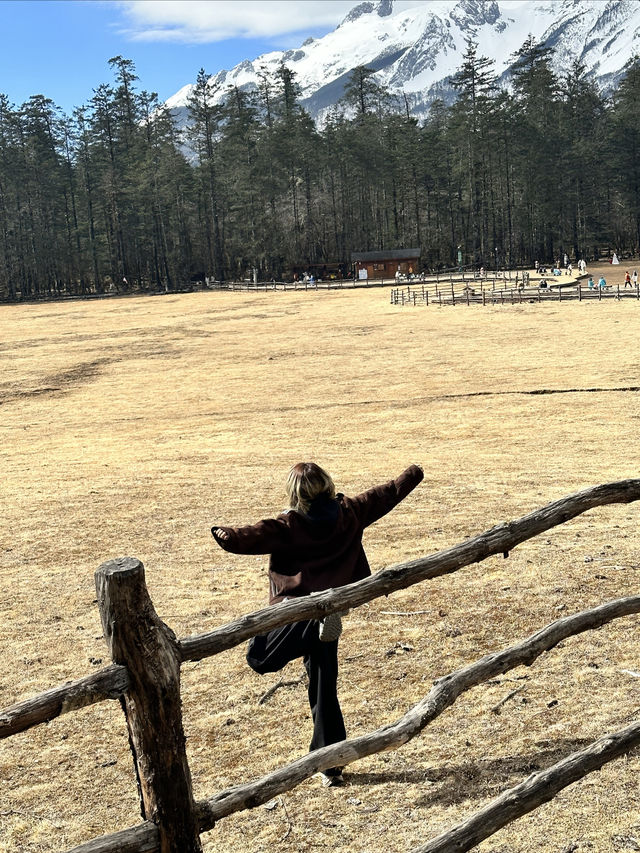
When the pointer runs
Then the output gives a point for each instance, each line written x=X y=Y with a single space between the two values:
x=139 y=640
x=579 y=293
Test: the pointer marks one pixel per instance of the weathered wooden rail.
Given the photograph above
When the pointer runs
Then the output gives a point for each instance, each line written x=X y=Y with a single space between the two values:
x=484 y=295
x=145 y=677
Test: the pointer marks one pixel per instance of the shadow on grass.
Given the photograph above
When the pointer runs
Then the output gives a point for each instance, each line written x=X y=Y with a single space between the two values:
x=471 y=779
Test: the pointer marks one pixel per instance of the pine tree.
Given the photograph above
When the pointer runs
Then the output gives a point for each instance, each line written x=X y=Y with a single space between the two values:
x=537 y=153
x=205 y=116
x=472 y=117
x=625 y=150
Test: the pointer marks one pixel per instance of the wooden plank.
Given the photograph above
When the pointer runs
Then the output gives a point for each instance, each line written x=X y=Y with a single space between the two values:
x=139 y=640
x=108 y=683
x=143 y=838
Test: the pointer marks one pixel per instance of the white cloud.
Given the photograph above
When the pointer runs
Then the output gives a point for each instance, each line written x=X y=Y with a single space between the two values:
x=202 y=21
x=216 y=20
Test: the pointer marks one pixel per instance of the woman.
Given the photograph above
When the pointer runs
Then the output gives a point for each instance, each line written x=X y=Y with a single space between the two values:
x=314 y=545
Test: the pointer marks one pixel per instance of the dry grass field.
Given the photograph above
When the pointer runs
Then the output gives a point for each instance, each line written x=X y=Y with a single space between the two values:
x=130 y=426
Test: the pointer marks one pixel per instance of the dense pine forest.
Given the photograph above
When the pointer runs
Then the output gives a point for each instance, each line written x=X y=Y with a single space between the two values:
x=114 y=198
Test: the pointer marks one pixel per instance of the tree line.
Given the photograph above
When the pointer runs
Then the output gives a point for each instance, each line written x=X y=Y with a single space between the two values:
x=114 y=196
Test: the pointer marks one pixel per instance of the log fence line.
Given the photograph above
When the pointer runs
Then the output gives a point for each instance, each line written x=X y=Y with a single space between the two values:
x=145 y=677
x=440 y=279
x=290 y=286
x=483 y=295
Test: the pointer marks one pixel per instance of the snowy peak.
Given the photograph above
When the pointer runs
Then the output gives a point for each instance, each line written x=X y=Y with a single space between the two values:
x=470 y=14
x=382 y=8
x=414 y=49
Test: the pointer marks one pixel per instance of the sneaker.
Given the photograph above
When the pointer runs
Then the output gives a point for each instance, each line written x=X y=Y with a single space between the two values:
x=331 y=778
x=330 y=628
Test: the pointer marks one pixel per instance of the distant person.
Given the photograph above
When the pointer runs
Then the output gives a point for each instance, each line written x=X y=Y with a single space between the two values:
x=627 y=279
x=590 y=283
x=634 y=278
x=602 y=283
x=314 y=545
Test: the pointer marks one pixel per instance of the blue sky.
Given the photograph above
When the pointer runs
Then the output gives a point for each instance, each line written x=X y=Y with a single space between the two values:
x=61 y=48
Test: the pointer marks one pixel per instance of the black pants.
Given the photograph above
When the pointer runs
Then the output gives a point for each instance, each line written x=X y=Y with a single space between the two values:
x=271 y=652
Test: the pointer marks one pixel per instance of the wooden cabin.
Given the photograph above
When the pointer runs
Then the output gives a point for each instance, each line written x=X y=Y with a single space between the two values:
x=385 y=264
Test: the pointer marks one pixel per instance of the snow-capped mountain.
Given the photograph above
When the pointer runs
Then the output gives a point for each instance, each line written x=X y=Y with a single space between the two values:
x=415 y=50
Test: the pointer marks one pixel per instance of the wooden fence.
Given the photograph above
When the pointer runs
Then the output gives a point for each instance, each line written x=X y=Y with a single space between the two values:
x=145 y=678
x=485 y=295
x=438 y=280
x=288 y=286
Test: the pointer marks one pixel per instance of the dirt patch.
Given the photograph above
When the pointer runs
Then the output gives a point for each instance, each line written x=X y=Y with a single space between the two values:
x=61 y=382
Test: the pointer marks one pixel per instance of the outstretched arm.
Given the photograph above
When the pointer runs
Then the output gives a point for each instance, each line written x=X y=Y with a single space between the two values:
x=265 y=537
x=374 y=503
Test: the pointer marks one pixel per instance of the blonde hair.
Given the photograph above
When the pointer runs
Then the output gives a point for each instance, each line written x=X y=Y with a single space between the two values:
x=305 y=482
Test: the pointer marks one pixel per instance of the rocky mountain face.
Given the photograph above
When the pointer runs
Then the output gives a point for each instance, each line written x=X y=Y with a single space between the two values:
x=415 y=50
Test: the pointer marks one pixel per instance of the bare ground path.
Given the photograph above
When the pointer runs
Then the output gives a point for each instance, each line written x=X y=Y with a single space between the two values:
x=130 y=426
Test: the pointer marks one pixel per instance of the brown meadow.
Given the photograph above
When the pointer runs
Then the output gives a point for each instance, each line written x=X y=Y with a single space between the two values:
x=130 y=426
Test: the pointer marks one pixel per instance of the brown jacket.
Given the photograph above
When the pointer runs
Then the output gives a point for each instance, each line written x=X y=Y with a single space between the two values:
x=321 y=551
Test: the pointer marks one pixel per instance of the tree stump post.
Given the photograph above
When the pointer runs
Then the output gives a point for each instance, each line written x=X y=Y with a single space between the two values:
x=139 y=640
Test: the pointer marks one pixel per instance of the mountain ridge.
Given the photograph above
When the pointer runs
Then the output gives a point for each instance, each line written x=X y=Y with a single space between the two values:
x=414 y=51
